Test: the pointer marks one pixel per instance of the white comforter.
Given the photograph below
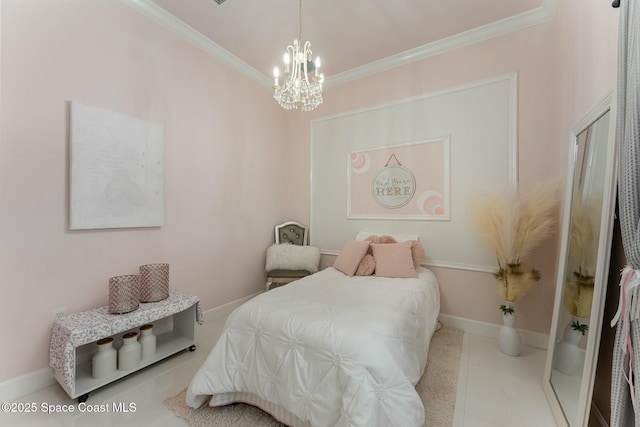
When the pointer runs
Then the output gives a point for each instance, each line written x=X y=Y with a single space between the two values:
x=330 y=349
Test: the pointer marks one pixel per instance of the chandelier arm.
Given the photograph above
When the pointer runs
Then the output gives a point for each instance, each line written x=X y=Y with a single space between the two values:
x=294 y=57
x=307 y=57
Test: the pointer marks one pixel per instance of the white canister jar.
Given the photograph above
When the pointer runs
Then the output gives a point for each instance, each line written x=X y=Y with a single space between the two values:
x=147 y=341
x=130 y=352
x=105 y=360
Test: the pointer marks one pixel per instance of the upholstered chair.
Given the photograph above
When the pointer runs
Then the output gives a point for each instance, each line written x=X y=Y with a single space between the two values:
x=286 y=263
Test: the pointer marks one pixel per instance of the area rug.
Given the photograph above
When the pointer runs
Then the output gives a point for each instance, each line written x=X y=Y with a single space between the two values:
x=437 y=389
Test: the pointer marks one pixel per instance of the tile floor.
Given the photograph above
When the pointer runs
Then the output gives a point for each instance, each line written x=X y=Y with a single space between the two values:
x=493 y=390
x=499 y=390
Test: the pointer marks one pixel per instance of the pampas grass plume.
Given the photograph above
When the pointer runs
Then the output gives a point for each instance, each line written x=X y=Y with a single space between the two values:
x=534 y=220
x=584 y=236
x=512 y=225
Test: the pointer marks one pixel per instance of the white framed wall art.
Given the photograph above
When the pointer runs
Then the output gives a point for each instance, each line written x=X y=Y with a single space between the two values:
x=116 y=170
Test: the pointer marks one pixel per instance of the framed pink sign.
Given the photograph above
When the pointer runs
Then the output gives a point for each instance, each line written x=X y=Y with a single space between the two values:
x=406 y=181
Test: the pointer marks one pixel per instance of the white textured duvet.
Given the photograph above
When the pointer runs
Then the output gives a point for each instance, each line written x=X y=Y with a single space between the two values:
x=329 y=349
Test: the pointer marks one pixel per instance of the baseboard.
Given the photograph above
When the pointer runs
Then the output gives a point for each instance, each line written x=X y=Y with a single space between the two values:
x=31 y=382
x=224 y=310
x=26 y=384
x=529 y=338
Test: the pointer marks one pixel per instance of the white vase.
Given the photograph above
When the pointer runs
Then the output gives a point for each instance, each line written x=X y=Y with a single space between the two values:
x=509 y=340
x=147 y=342
x=130 y=352
x=569 y=358
x=104 y=361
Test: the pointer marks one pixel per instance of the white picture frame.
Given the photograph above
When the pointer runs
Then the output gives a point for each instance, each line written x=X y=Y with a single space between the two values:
x=422 y=165
x=116 y=170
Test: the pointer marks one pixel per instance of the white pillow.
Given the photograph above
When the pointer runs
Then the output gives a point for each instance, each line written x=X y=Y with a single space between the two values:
x=399 y=237
x=286 y=256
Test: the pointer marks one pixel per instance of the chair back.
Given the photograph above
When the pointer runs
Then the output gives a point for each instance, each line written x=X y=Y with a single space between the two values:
x=291 y=232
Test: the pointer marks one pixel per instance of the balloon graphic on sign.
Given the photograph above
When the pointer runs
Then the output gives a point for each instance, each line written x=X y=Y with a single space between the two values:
x=360 y=162
x=431 y=203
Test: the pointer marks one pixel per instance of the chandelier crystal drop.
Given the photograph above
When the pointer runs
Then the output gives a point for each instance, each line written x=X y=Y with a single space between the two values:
x=301 y=87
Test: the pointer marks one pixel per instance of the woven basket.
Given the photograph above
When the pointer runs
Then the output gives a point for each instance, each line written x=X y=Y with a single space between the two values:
x=124 y=294
x=154 y=282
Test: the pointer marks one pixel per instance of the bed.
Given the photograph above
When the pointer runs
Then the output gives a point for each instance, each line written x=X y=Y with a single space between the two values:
x=327 y=350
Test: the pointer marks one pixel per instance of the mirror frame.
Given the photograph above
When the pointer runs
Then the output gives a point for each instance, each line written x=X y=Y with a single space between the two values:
x=607 y=104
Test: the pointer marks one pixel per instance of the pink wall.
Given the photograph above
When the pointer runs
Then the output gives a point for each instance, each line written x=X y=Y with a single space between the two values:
x=221 y=186
x=564 y=68
x=223 y=191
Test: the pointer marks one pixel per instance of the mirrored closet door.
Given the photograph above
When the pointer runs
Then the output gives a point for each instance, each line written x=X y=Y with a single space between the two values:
x=583 y=268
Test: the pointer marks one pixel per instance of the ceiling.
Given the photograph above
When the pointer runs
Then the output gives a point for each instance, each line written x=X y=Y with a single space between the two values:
x=349 y=35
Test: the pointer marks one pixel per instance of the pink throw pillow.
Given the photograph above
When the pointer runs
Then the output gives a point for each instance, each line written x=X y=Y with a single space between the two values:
x=394 y=260
x=372 y=239
x=352 y=252
x=417 y=253
x=387 y=239
x=367 y=265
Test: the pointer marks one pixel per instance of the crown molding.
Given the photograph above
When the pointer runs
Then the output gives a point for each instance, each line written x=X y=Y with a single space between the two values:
x=188 y=33
x=541 y=14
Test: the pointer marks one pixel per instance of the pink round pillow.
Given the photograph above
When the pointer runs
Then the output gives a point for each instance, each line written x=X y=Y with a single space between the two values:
x=367 y=266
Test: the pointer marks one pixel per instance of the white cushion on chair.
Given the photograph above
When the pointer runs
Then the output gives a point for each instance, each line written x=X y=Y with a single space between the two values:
x=293 y=257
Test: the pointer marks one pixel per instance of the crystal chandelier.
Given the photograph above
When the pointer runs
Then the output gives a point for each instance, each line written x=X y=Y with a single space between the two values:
x=302 y=84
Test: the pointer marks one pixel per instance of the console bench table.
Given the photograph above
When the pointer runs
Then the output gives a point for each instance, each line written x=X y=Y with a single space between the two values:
x=73 y=338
